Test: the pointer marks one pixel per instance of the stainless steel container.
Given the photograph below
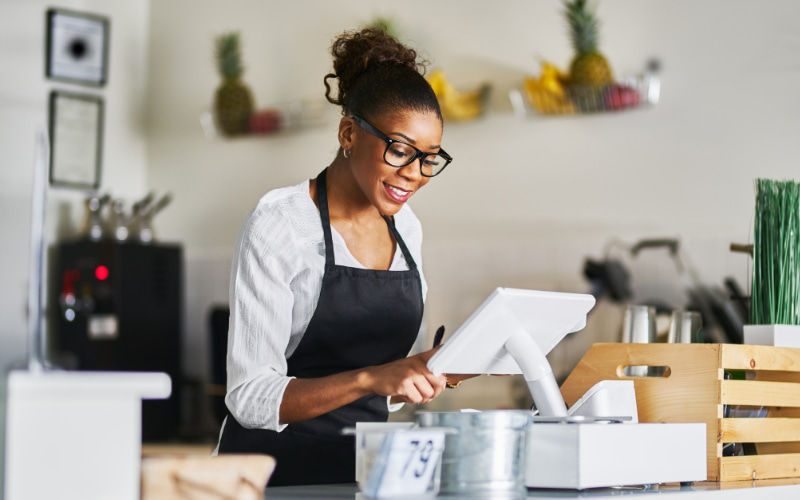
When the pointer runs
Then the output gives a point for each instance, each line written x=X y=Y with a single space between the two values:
x=486 y=455
x=685 y=327
x=639 y=325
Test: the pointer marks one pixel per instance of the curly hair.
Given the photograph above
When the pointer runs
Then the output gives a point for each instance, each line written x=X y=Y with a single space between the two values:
x=377 y=74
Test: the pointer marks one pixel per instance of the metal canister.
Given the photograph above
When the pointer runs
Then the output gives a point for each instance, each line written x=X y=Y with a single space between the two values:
x=485 y=455
x=685 y=327
x=639 y=325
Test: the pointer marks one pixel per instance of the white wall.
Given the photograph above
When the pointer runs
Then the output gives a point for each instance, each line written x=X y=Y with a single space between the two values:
x=726 y=115
x=23 y=99
x=525 y=200
x=23 y=110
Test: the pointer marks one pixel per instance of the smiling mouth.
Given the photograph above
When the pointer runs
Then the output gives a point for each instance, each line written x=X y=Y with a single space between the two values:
x=396 y=193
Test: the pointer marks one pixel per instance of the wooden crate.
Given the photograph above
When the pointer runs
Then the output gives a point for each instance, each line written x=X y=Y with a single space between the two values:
x=694 y=389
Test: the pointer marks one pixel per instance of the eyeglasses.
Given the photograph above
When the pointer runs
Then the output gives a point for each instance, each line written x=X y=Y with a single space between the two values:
x=399 y=154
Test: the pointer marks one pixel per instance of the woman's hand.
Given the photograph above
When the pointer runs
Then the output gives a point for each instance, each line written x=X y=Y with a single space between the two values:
x=455 y=379
x=406 y=379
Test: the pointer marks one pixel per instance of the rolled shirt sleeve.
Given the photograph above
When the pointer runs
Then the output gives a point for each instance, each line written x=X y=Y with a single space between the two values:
x=260 y=326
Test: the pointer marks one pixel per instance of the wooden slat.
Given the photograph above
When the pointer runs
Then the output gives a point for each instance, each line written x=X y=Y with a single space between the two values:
x=735 y=485
x=783 y=412
x=759 y=467
x=777 y=376
x=760 y=357
x=690 y=365
x=759 y=430
x=777 y=448
x=754 y=393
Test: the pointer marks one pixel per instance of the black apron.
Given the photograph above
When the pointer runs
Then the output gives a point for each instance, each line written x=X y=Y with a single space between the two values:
x=364 y=317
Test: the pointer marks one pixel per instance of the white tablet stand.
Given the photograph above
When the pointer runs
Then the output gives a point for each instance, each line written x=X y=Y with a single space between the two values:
x=510 y=333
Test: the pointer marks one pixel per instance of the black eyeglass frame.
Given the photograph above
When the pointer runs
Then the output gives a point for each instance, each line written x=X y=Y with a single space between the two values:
x=389 y=141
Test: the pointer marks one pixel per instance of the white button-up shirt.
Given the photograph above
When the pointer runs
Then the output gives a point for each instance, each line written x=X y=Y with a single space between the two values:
x=275 y=284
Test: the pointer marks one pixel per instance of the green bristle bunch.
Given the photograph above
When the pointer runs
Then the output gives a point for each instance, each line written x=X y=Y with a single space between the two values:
x=776 y=263
x=228 y=51
x=584 y=26
x=385 y=24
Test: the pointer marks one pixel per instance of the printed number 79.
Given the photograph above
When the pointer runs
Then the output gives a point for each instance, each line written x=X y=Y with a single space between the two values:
x=423 y=453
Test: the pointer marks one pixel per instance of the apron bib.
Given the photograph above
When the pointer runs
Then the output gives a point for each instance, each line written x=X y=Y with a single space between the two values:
x=364 y=317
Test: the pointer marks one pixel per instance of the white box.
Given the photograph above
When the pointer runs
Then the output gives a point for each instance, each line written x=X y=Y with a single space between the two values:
x=595 y=455
x=76 y=435
x=775 y=335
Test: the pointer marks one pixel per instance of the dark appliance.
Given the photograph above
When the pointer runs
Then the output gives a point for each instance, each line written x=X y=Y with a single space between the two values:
x=119 y=308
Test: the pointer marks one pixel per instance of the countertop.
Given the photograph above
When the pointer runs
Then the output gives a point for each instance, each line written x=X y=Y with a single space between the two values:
x=774 y=489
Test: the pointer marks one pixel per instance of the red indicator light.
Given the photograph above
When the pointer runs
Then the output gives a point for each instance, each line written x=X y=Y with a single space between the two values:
x=101 y=272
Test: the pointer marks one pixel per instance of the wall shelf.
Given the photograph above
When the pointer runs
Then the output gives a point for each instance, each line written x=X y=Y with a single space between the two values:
x=275 y=121
x=625 y=94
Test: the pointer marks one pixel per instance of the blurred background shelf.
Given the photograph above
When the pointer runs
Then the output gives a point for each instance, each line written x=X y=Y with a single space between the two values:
x=625 y=94
x=280 y=119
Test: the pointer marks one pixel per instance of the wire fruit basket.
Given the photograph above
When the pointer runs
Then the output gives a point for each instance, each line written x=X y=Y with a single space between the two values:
x=627 y=93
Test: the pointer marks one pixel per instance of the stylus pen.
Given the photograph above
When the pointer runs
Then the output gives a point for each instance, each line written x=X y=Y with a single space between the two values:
x=437 y=338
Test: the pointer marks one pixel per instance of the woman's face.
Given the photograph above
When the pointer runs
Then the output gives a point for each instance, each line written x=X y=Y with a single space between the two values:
x=388 y=188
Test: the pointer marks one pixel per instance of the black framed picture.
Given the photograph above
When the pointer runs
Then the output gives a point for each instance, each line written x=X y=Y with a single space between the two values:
x=77 y=47
x=76 y=139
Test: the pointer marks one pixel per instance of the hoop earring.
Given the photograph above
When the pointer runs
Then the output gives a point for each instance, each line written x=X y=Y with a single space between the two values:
x=346 y=153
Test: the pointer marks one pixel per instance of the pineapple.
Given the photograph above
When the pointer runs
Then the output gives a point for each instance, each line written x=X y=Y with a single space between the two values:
x=233 y=102
x=386 y=25
x=589 y=66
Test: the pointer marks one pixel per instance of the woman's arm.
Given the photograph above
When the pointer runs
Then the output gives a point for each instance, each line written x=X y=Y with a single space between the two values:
x=262 y=302
x=406 y=379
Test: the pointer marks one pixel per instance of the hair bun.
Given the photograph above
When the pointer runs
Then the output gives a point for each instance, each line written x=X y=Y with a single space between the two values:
x=356 y=53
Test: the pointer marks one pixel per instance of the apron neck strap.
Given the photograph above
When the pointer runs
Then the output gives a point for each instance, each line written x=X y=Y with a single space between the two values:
x=322 y=197
x=403 y=248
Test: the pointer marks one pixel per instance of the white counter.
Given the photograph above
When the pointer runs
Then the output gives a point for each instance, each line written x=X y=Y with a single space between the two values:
x=775 y=489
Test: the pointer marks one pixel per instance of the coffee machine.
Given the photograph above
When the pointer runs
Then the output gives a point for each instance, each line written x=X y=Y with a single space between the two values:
x=119 y=309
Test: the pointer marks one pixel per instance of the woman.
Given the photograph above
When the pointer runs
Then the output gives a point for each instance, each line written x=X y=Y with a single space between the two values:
x=326 y=292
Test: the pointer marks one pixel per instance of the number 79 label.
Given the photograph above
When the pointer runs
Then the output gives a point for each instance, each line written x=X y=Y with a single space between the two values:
x=405 y=464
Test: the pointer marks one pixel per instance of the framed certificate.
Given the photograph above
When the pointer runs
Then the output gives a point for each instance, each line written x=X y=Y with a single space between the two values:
x=77 y=47
x=76 y=140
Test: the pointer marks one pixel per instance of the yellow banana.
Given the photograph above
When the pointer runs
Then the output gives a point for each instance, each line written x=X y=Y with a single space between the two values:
x=457 y=105
x=546 y=93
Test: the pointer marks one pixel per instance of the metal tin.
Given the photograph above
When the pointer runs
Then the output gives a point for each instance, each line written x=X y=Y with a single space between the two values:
x=685 y=327
x=639 y=325
x=486 y=455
